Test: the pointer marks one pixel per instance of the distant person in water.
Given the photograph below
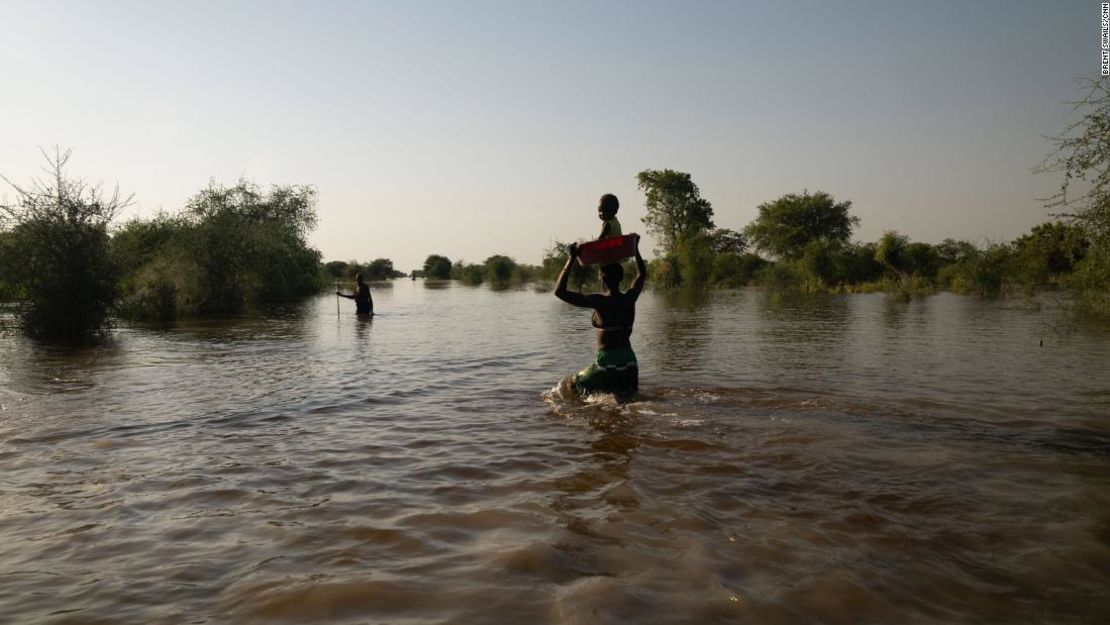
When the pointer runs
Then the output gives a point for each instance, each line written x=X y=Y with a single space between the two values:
x=615 y=369
x=607 y=208
x=364 y=304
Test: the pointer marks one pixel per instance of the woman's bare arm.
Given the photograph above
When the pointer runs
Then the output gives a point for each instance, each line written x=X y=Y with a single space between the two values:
x=641 y=271
x=561 y=290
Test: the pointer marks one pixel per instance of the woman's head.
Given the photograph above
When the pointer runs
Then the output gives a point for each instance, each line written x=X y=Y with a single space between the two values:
x=611 y=276
x=358 y=278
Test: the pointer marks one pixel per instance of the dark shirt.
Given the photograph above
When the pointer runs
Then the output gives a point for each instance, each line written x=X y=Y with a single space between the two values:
x=364 y=304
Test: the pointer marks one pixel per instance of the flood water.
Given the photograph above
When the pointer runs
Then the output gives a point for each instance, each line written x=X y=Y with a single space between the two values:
x=845 y=459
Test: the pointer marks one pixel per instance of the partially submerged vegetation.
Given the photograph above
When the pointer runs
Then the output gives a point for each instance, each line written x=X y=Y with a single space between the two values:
x=1082 y=156
x=54 y=253
x=232 y=248
x=239 y=247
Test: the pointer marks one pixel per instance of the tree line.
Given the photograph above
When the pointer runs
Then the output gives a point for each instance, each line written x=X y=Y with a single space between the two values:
x=231 y=248
x=236 y=247
x=803 y=241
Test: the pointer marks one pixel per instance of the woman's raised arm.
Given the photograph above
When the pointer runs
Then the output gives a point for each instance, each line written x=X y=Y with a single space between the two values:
x=641 y=271
x=561 y=291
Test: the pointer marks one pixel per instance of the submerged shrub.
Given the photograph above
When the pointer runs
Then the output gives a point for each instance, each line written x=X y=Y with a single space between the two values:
x=57 y=250
x=164 y=289
x=695 y=255
x=437 y=267
x=857 y=263
x=1091 y=282
x=735 y=270
x=499 y=269
x=664 y=272
x=233 y=247
x=468 y=274
x=555 y=257
x=252 y=246
x=9 y=287
x=780 y=276
x=984 y=271
x=1049 y=251
x=380 y=269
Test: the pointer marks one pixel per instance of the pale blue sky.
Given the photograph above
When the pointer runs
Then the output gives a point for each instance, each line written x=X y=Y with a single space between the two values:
x=468 y=129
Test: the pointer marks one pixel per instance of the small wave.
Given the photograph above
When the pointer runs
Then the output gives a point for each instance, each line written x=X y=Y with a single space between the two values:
x=314 y=601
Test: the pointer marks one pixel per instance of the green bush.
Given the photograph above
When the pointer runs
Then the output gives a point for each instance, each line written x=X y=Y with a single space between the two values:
x=468 y=274
x=163 y=289
x=983 y=271
x=437 y=267
x=780 y=276
x=857 y=263
x=232 y=248
x=251 y=246
x=1091 y=282
x=381 y=269
x=1049 y=251
x=921 y=260
x=10 y=289
x=664 y=272
x=735 y=270
x=499 y=269
x=819 y=264
x=695 y=257
x=57 y=254
x=554 y=258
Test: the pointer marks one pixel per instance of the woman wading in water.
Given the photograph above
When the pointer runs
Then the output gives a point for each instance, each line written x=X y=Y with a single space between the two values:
x=615 y=369
x=364 y=304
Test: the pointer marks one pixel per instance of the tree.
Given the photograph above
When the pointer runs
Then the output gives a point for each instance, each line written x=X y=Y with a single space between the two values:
x=555 y=257
x=858 y=264
x=951 y=251
x=1082 y=155
x=336 y=269
x=725 y=241
x=987 y=269
x=436 y=266
x=675 y=208
x=251 y=246
x=159 y=275
x=787 y=225
x=695 y=258
x=9 y=287
x=499 y=269
x=895 y=253
x=733 y=270
x=472 y=275
x=1049 y=250
x=139 y=241
x=59 y=234
x=891 y=252
x=381 y=269
x=921 y=260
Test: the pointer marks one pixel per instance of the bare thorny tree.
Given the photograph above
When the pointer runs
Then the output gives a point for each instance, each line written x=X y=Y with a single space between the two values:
x=1082 y=155
x=57 y=253
x=57 y=199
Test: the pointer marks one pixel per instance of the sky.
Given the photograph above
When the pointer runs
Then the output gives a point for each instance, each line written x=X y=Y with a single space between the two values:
x=473 y=128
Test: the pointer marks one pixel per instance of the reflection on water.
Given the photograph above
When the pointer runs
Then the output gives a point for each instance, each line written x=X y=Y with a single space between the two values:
x=789 y=460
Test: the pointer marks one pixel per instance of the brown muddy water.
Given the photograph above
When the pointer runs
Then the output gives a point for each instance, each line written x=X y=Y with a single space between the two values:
x=846 y=459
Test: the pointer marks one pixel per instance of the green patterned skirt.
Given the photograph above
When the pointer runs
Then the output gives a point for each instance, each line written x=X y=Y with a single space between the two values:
x=614 y=371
